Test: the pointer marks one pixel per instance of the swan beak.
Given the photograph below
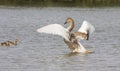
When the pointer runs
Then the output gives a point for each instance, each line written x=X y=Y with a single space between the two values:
x=65 y=23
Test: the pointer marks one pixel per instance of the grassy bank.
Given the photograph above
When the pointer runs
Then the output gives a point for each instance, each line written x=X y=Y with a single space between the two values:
x=68 y=3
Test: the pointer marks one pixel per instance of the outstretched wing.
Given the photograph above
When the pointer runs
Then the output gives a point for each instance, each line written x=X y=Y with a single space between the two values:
x=86 y=27
x=55 y=29
x=85 y=30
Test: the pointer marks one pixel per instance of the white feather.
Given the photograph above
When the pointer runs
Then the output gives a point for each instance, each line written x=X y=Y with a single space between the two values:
x=55 y=29
x=86 y=26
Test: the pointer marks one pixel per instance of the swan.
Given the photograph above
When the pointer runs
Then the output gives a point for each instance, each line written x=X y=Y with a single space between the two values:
x=70 y=38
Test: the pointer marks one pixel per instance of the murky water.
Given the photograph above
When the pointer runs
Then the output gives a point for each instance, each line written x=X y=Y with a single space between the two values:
x=42 y=52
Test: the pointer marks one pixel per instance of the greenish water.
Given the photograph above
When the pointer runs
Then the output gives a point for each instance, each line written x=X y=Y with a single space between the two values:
x=61 y=3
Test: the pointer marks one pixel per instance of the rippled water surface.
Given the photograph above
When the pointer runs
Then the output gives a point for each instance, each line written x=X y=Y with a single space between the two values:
x=42 y=52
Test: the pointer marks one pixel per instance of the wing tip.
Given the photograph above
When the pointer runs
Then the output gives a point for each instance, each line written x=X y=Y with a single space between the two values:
x=87 y=26
x=39 y=30
x=85 y=22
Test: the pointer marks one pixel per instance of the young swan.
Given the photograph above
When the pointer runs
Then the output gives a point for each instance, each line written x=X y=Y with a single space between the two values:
x=71 y=39
x=9 y=43
x=82 y=33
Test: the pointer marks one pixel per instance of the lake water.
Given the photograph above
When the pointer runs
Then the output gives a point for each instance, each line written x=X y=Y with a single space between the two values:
x=43 y=52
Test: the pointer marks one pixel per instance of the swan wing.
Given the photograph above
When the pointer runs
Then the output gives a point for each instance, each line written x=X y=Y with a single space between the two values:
x=55 y=29
x=86 y=29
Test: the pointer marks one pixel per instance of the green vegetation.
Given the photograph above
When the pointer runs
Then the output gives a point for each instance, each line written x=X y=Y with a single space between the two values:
x=68 y=3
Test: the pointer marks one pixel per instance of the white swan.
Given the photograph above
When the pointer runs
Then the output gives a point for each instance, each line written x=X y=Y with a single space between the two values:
x=70 y=38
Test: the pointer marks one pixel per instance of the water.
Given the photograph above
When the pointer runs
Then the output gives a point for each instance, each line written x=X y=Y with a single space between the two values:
x=42 y=52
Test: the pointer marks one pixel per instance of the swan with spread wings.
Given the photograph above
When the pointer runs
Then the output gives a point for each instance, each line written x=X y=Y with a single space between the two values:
x=70 y=38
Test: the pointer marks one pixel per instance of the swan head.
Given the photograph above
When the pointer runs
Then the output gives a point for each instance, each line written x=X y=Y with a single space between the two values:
x=68 y=20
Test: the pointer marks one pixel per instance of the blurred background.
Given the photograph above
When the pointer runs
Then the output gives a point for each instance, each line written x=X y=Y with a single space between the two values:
x=68 y=3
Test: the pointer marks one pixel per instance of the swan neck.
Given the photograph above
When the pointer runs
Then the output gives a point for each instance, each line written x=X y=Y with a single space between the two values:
x=70 y=28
